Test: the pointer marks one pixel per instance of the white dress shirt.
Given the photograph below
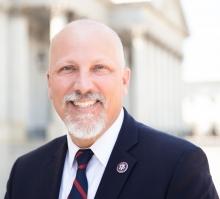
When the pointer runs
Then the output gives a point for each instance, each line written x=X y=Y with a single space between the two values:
x=102 y=149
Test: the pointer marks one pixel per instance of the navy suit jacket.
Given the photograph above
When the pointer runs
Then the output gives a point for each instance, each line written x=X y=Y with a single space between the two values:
x=160 y=166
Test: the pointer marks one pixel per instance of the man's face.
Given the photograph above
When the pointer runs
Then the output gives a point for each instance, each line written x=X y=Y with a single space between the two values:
x=87 y=81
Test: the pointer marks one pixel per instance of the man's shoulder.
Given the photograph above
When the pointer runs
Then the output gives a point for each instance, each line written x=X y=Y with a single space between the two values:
x=45 y=151
x=163 y=142
x=151 y=137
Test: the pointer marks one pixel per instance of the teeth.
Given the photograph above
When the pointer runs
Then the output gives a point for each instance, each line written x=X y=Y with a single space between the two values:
x=84 y=104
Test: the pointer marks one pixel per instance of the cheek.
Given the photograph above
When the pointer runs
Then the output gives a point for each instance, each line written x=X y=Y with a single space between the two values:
x=112 y=91
x=59 y=88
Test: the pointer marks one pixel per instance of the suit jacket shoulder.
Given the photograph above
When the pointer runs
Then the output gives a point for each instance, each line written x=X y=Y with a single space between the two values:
x=159 y=166
x=43 y=152
x=37 y=174
x=161 y=144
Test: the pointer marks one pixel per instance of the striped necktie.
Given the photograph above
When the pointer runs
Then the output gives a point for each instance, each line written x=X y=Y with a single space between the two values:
x=80 y=184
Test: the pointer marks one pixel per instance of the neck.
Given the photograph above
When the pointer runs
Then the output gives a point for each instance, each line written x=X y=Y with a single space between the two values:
x=84 y=143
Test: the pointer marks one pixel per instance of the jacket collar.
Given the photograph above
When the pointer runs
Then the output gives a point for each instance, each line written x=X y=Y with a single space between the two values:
x=112 y=181
x=51 y=178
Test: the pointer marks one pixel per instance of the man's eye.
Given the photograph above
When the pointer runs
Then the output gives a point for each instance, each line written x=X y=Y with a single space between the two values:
x=67 y=69
x=100 y=68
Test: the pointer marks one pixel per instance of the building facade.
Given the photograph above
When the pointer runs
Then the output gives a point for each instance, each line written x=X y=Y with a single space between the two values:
x=202 y=108
x=152 y=33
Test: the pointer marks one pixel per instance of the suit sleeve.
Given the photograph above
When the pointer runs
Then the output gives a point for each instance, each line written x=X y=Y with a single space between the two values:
x=9 y=189
x=191 y=178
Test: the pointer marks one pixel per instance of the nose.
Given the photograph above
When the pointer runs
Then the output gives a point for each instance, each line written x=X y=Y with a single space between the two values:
x=83 y=83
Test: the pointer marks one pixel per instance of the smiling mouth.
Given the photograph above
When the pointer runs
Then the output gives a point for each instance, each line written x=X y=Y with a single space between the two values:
x=85 y=103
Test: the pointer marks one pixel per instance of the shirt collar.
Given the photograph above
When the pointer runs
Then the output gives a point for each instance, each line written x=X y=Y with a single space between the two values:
x=103 y=147
x=72 y=150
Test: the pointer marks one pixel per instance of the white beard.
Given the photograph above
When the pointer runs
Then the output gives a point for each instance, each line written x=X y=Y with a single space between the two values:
x=85 y=126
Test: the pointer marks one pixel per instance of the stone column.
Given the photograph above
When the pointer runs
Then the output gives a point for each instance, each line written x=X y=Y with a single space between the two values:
x=56 y=126
x=57 y=22
x=3 y=76
x=138 y=70
x=18 y=75
x=217 y=114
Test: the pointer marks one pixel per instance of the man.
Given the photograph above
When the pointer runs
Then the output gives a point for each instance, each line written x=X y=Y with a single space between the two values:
x=87 y=80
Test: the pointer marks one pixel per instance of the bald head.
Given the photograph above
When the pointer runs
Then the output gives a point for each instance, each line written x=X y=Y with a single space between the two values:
x=85 y=31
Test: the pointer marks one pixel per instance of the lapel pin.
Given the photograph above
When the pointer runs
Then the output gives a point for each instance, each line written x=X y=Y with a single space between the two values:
x=122 y=167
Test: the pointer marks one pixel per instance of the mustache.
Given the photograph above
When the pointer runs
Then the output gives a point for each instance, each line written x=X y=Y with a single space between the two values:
x=76 y=96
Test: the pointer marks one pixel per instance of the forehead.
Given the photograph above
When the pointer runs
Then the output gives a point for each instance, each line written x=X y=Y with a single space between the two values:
x=83 y=42
x=85 y=36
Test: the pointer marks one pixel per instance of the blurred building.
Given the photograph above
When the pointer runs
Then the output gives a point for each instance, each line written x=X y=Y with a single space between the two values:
x=152 y=32
x=201 y=107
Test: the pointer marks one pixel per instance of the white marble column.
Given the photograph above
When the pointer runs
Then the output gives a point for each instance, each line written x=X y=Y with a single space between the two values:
x=156 y=85
x=57 y=22
x=178 y=95
x=138 y=63
x=158 y=73
x=217 y=114
x=3 y=76
x=18 y=78
x=56 y=127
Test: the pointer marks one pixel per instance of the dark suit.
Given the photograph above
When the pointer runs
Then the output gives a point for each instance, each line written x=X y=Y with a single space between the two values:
x=160 y=166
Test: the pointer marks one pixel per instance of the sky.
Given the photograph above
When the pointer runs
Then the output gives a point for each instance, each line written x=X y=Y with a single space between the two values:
x=202 y=48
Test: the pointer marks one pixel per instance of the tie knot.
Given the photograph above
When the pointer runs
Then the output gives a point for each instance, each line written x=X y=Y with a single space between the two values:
x=82 y=157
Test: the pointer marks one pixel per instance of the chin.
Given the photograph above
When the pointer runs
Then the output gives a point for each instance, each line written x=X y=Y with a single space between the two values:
x=86 y=127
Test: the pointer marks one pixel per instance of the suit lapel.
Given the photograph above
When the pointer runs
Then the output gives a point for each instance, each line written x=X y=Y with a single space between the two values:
x=51 y=179
x=112 y=181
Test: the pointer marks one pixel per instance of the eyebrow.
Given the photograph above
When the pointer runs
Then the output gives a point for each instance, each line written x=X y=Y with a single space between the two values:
x=64 y=63
x=70 y=61
x=104 y=61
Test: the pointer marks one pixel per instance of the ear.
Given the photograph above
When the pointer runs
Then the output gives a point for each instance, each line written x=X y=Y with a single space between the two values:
x=126 y=79
x=48 y=86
